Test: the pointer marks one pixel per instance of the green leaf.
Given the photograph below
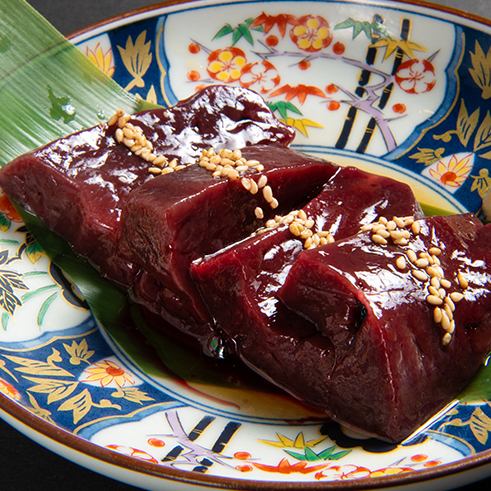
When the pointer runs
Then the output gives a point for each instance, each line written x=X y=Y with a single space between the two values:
x=5 y=320
x=236 y=36
x=326 y=453
x=61 y=107
x=246 y=33
x=430 y=210
x=480 y=387
x=357 y=26
x=224 y=31
x=310 y=455
x=35 y=293
x=44 y=308
x=291 y=107
x=282 y=107
x=42 y=79
x=296 y=455
x=4 y=223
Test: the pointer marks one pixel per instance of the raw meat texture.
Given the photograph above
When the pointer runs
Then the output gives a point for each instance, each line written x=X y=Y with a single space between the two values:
x=78 y=185
x=179 y=217
x=240 y=284
x=391 y=370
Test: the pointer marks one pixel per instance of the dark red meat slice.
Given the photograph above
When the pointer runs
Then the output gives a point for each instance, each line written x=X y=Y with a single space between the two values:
x=392 y=370
x=77 y=185
x=239 y=284
x=176 y=218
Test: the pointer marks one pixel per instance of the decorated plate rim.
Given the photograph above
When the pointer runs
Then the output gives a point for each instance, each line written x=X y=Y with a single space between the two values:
x=64 y=438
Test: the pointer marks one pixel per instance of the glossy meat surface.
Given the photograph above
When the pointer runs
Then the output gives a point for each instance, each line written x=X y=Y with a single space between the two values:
x=78 y=185
x=392 y=370
x=179 y=217
x=240 y=284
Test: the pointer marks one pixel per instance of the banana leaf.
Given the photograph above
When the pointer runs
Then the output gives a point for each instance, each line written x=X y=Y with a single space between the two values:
x=49 y=89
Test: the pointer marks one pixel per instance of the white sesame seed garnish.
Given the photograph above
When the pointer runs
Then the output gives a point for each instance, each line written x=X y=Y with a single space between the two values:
x=259 y=212
x=420 y=275
x=378 y=239
x=437 y=315
x=462 y=280
x=263 y=180
x=435 y=251
x=456 y=296
x=434 y=300
x=401 y=263
x=446 y=339
x=449 y=302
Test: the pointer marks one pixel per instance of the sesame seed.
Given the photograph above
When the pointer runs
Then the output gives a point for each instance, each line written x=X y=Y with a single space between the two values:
x=401 y=262
x=416 y=228
x=263 y=180
x=246 y=183
x=399 y=222
x=119 y=135
x=155 y=170
x=445 y=283
x=383 y=220
x=254 y=188
x=402 y=242
x=437 y=315
x=302 y=215
x=324 y=241
x=306 y=233
x=252 y=163
x=445 y=321
x=449 y=302
x=462 y=280
x=435 y=282
x=366 y=228
x=378 y=239
x=422 y=263
x=391 y=225
x=259 y=212
x=167 y=170
x=420 y=275
x=434 y=300
x=384 y=233
x=456 y=296
x=309 y=223
x=435 y=251
x=268 y=194
x=296 y=229
x=446 y=339
x=432 y=271
x=241 y=168
x=308 y=243
x=433 y=291
x=448 y=310
x=274 y=203
x=412 y=256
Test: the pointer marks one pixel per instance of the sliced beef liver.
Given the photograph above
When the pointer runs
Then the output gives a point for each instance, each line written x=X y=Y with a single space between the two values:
x=240 y=283
x=176 y=218
x=77 y=185
x=391 y=369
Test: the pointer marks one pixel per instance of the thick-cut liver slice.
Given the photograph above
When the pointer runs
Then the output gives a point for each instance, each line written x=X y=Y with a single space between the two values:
x=176 y=218
x=240 y=283
x=78 y=185
x=392 y=370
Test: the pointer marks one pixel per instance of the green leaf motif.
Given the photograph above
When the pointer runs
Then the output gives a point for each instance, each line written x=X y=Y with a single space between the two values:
x=357 y=26
x=4 y=223
x=61 y=107
x=44 y=308
x=5 y=44
x=310 y=455
x=5 y=320
x=224 y=31
x=282 y=107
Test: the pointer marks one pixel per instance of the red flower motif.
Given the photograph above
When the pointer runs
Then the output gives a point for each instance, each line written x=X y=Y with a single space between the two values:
x=261 y=76
x=299 y=91
x=267 y=22
x=226 y=64
x=284 y=467
x=416 y=76
x=311 y=33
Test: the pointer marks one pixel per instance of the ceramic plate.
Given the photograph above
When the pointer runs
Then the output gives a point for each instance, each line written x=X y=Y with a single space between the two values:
x=398 y=89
